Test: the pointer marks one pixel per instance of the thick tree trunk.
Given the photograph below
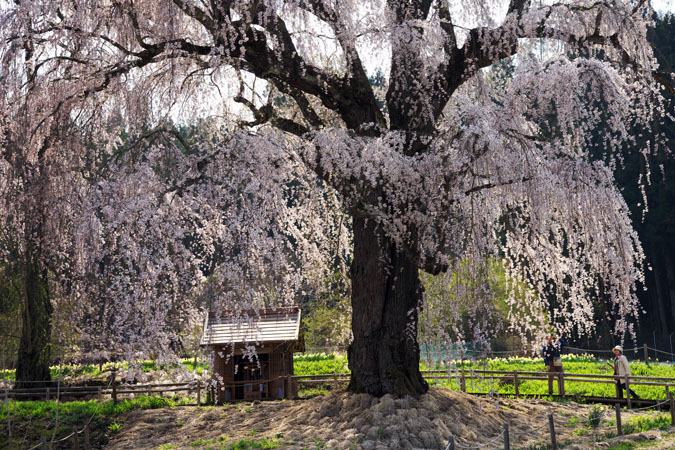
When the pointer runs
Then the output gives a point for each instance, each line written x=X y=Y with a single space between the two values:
x=386 y=292
x=34 y=348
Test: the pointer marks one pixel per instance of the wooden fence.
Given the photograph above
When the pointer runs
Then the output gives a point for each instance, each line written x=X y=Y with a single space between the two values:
x=459 y=376
x=114 y=391
x=515 y=377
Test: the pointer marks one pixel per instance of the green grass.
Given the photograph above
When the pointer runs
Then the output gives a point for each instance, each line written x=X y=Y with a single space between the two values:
x=645 y=423
x=37 y=418
x=109 y=417
x=95 y=371
x=320 y=364
x=595 y=416
x=329 y=363
x=623 y=446
x=305 y=392
x=633 y=445
x=80 y=409
x=222 y=443
x=571 y=364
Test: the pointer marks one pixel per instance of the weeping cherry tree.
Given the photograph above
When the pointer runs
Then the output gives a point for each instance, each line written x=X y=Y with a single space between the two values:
x=433 y=167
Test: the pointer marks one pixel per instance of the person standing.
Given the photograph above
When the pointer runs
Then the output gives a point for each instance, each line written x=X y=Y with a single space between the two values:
x=551 y=353
x=622 y=369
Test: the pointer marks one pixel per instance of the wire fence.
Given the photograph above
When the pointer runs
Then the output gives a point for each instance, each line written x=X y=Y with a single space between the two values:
x=432 y=354
x=490 y=442
x=663 y=352
x=75 y=431
x=455 y=443
x=535 y=433
x=467 y=351
x=112 y=389
x=109 y=390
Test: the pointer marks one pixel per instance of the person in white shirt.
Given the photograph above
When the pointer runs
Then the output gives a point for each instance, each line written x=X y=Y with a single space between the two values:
x=622 y=369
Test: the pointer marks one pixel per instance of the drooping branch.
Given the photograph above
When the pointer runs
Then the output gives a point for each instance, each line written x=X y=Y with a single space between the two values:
x=301 y=100
x=485 y=46
x=266 y=114
x=356 y=80
x=665 y=80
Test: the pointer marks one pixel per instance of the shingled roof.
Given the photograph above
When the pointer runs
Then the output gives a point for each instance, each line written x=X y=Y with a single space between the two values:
x=267 y=325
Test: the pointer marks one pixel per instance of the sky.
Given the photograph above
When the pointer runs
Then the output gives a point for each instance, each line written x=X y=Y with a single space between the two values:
x=664 y=5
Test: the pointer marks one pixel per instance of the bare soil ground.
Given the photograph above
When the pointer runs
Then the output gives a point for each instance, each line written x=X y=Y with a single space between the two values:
x=344 y=421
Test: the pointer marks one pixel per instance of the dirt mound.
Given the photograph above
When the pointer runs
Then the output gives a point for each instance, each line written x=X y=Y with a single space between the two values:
x=360 y=421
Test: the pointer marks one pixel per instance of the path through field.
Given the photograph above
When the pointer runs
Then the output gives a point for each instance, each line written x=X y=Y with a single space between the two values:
x=345 y=421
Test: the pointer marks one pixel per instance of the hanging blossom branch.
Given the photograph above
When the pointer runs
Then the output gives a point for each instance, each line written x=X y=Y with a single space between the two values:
x=450 y=166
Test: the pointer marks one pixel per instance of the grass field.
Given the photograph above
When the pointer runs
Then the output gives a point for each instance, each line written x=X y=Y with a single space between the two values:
x=329 y=363
x=39 y=416
x=95 y=370
x=571 y=363
x=584 y=364
x=33 y=420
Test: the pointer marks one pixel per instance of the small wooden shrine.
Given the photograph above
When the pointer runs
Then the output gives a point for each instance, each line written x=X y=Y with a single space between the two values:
x=275 y=333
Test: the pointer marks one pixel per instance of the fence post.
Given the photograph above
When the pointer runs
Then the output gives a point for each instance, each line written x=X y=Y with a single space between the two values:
x=76 y=439
x=507 y=443
x=294 y=388
x=672 y=408
x=515 y=382
x=451 y=443
x=619 y=430
x=646 y=354
x=551 y=428
x=630 y=406
x=43 y=443
x=47 y=394
x=114 y=385
x=335 y=381
x=99 y=394
x=286 y=389
x=561 y=383
x=86 y=436
x=199 y=393
x=463 y=382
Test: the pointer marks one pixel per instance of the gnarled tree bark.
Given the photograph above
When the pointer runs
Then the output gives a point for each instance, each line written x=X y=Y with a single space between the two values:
x=386 y=292
x=34 y=349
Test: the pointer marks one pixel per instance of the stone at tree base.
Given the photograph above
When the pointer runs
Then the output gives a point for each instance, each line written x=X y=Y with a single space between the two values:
x=386 y=405
x=418 y=423
x=372 y=432
x=430 y=439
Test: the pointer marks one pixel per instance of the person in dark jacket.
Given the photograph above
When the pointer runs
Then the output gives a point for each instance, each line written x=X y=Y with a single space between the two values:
x=551 y=353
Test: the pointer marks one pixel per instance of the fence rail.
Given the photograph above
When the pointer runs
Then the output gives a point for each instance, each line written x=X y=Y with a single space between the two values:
x=515 y=377
x=62 y=393
x=462 y=376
